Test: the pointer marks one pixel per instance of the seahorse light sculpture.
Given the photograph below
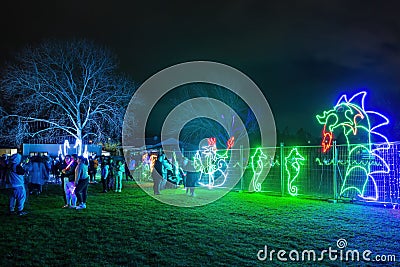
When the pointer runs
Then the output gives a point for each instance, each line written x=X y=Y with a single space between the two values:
x=257 y=164
x=292 y=166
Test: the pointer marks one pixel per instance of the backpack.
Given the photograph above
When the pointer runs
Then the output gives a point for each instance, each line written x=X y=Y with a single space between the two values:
x=19 y=170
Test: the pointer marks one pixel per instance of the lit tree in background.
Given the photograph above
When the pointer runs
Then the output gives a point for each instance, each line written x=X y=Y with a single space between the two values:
x=64 y=89
x=201 y=128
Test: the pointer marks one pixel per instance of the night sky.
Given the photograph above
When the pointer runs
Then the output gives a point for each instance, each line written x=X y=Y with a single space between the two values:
x=302 y=54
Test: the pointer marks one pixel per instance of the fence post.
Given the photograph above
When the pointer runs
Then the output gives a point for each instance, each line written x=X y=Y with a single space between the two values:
x=282 y=171
x=335 y=161
x=241 y=168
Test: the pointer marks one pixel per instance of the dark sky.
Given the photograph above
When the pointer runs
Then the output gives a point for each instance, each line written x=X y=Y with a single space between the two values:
x=302 y=54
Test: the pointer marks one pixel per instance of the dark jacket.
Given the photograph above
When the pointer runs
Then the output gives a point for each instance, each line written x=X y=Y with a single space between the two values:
x=70 y=172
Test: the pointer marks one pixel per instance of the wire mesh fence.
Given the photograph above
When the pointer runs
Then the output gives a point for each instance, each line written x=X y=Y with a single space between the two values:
x=362 y=172
x=369 y=172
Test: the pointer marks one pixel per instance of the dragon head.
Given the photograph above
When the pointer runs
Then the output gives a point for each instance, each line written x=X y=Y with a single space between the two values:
x=346 y=115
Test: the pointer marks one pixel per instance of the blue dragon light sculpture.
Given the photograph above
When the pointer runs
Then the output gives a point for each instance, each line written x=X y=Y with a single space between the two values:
x=360 y=128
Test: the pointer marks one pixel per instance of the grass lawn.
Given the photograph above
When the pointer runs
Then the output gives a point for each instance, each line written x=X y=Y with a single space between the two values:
x=133 y=229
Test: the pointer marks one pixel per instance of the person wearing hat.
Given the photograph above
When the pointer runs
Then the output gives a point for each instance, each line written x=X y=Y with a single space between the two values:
x=17 y=184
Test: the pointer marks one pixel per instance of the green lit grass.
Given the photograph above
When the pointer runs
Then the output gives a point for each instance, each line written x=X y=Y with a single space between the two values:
x=133 y=229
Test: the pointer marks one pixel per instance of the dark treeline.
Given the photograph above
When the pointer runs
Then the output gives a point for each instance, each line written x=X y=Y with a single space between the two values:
x=300 y=137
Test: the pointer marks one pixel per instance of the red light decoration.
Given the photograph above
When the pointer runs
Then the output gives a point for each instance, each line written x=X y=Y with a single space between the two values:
x=326 y=140
x=230 y=142
x=212 y=141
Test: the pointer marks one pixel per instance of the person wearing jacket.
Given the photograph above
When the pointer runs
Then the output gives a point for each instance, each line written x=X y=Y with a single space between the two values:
x=93 y=164
x=67 y=179
x=81 y=182
x=37 y=174
x=120 y=169
x=105 y=167
x=159 y=174
x=17 y=184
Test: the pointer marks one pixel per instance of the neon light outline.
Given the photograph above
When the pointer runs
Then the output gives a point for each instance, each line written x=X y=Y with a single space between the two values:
x=293 y=160
x=212 y=141
x=257 y=165
x=352 y=125
x=230 y=142
x=209 y=162
x=326 y=140
x=212 y=163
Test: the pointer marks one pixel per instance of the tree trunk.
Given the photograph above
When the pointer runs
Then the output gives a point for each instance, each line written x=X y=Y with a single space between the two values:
x=79 y=142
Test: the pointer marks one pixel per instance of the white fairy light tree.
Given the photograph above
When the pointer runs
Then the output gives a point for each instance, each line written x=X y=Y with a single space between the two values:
x=64 y=89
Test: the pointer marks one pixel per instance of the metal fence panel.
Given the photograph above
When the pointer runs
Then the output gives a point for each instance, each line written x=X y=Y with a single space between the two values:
x=370 y=177
x=345 y=171
x=314 y=172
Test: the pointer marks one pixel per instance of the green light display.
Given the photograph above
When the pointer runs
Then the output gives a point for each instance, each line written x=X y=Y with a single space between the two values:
x=292 y=167
x=257 y=165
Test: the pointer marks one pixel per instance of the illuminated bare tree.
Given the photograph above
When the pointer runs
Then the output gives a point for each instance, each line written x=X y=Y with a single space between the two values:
x=64 y=88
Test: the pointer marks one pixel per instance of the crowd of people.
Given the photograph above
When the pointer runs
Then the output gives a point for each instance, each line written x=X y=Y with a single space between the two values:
x=166 y=175
x=75 y=173
x=112 y=174
x=37 y=169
